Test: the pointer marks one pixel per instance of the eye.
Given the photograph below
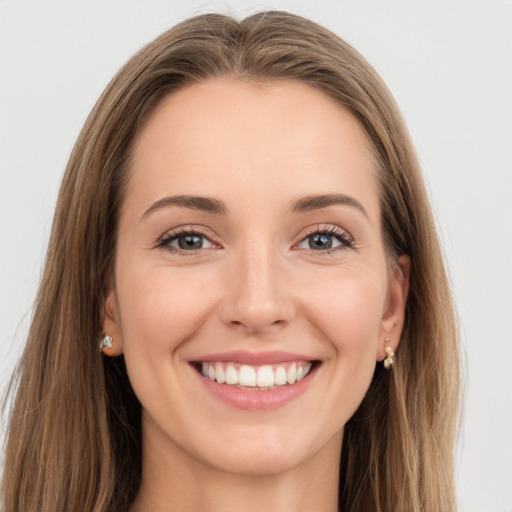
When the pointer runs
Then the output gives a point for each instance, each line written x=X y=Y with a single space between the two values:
x=186 y=241
x=326 y=239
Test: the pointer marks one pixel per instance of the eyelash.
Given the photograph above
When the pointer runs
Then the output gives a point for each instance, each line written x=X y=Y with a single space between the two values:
x=165 y=242
x=342 y=236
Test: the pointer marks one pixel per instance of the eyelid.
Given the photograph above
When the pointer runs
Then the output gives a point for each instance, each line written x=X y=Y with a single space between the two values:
x=345 y=237
x=186 y=229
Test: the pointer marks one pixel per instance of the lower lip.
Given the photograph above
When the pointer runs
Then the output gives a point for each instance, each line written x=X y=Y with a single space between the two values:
x=257 y=400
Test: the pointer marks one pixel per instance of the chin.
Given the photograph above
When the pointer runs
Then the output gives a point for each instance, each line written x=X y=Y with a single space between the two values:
x=270 y=451
x=262 y=461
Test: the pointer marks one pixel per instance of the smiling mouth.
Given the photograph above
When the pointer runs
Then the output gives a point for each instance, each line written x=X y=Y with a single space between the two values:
x=256 y=378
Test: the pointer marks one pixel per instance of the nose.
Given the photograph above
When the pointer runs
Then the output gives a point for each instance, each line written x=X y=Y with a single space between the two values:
x=258 y=298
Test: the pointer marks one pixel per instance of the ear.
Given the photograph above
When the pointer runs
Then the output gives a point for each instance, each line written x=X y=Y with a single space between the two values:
x=393 y=316
x=112 y=324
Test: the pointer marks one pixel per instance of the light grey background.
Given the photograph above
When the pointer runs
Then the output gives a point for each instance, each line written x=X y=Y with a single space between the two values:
x=449 y=65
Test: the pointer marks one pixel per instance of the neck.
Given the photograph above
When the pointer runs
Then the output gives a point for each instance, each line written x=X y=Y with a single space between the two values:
x=174 y=481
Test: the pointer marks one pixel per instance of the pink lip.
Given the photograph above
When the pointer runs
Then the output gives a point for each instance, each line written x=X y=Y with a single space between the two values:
x=253 y=359
x=254 y=400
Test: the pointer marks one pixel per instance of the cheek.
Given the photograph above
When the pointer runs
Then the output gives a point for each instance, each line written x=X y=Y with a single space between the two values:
x=348 y=312
x=348 y=315
x=160 y=309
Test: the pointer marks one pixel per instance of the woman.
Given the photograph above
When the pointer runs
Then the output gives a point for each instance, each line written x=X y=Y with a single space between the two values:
x=244 y=230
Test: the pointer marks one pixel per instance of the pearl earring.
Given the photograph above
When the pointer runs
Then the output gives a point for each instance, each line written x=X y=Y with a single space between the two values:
x=389 y=361
x=106 y=342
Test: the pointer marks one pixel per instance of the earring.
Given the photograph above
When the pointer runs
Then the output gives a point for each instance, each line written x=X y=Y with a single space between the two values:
x=388 y=362
x=106 y=342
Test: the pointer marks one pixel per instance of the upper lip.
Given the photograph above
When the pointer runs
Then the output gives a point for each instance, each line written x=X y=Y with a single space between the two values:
x=252 y=358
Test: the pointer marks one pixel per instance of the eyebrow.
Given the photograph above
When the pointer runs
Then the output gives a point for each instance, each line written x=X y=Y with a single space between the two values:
x=316 y=202
x=212 y=205
x=205 y=204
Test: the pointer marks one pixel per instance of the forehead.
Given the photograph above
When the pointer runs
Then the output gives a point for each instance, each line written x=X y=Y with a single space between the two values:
x=225 y=135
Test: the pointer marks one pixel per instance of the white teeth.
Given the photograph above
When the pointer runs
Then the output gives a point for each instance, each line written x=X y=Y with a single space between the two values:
x=220 y=374
x=291 y=374
x=280 y=376
x=265 y=377
x=231 y=375
x=247 y=376
x=262 y=377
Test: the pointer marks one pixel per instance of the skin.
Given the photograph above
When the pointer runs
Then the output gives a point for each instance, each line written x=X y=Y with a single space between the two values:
x=257 y=284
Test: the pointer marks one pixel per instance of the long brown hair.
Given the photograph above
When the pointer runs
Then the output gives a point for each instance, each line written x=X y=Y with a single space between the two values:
x=74 y=441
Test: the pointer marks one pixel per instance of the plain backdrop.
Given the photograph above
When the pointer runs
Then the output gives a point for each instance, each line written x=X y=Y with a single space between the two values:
x=449 y=65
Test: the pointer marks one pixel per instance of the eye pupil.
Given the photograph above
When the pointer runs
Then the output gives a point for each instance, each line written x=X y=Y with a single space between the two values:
x=320 y=241
x=190 y=242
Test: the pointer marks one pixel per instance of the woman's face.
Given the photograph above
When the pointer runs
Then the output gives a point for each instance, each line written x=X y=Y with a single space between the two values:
x=250 y=250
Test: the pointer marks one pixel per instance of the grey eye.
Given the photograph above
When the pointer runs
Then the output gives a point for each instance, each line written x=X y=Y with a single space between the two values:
x=321 y=242
x=189 y=242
